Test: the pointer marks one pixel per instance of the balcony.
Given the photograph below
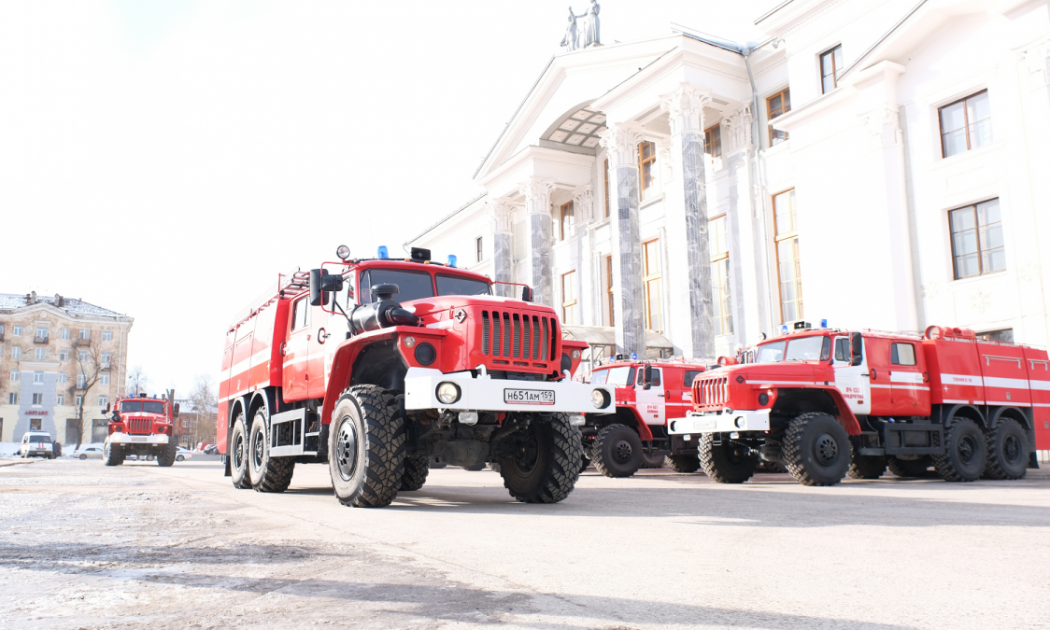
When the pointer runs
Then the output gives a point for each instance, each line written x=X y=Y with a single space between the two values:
x=43 y=340
x=104 y=365
x=82 y=342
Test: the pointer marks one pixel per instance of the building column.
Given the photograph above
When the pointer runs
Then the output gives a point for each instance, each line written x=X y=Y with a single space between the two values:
x=688 y=252
x=582 y=203
x=499 y=211
x=537 y=194
x=745 y=244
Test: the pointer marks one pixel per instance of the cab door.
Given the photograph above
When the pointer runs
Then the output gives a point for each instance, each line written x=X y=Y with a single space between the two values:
x=852 y=380
x=316 y=338
x=296 y=351
x=651 y=403
x=908 y=386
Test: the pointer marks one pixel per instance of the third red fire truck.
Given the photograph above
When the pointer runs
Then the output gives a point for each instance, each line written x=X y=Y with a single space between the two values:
x=828 y=402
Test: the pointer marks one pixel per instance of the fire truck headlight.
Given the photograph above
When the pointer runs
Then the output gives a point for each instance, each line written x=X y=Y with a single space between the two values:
x=410 y=341
x=599 y=399
x=576 y=355
x=343 y=252
x=763 y=399
x=448 y=393
x=740 y=422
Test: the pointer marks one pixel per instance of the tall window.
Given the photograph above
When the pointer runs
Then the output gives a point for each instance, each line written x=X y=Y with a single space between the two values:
x=38 y=399
x=103 y=401
x=82 y=356
x=830 y=68
x=778 y=105
x=85 y=333
x=651 y=262
x=60 y=399
x=786 y=242
x=977 y=239
x=41 y=332
x=106 y=356
x=609 y=290
x=606 y=187
x=65 y=333
x=567 y=221
x=40 y=353
x=478 y=249
x=17 y=332
x=14 y=376
x=79 y=401
x=38 y=377
x=62 y=377
x=63 y=355
x=646 y=168
x=16 y=352
x=720 y=274
x=103 y=379
x=568 y=298
x=713 y=141
x=107 y=335
x=966 y=124
x=12 y=398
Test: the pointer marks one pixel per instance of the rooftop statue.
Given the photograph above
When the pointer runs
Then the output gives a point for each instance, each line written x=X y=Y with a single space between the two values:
x=583 y=30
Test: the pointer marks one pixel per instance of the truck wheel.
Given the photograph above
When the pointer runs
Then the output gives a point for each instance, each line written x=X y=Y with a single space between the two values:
x=906 y=468
x=1007 y=450
x=416 y=469
x=239 y=454
x=653 y=459
x=546 y=462
x=817 y=451
x=166 y=455
x=726 y=462
x=683 y=463
x=965 y=452
x=366 y=450
x=866 y=466
x=113 y=454
x=267 y=474
x=617 y=451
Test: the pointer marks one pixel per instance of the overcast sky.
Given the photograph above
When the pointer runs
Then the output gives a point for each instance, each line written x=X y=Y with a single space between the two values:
x=167 y=159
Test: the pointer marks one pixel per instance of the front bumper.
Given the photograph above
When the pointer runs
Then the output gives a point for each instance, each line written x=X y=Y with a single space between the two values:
x=491 y=395
x=124 y=438
x=724 y=421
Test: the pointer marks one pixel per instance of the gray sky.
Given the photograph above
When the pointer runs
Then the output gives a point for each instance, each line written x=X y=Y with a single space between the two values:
x=168 y=159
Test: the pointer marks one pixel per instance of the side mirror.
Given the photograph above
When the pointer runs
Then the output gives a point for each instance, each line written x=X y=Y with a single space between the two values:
x=526 y=294
x=648 y=375
x=107 y=408
x=175 y=411
x=856 y=349
x=322 y=283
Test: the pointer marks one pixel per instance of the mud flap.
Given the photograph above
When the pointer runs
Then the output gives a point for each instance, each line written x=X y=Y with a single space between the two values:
x=1033 y=461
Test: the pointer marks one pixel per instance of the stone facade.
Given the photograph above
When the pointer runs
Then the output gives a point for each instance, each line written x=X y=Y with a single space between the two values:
x=46 y=343
x=780 y=191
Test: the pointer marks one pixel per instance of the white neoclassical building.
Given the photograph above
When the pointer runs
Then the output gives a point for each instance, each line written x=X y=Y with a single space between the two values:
x=879 y=164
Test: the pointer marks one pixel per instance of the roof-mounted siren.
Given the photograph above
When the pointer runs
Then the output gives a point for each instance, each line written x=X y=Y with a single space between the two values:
x=343 y=252
x=383 y=252
x=824 y=323
x=420 y=254
x=451 y=260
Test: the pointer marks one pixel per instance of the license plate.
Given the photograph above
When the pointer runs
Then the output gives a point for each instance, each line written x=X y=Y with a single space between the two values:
x=705 y=424
x=138 y=439
x=528 y=396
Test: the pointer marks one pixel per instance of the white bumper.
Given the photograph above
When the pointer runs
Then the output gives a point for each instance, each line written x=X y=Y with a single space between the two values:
x=124 y=438
x=721 y=422
x=498 y=395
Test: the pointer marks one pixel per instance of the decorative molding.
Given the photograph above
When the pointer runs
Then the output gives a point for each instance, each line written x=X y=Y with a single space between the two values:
x=583 y=204
x=499 y=211
x=980 y=301
x=664 y=160
x=685 y=109
x=537 y=193
x=884 y=126
x=931 y=290
x=1037 y=59
x=621 y=142
x=737 y=130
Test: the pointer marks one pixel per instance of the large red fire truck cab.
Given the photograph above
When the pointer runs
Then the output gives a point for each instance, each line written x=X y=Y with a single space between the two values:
x=384 y=363
x=827 y=403
x=143 y=427
x=648 y=396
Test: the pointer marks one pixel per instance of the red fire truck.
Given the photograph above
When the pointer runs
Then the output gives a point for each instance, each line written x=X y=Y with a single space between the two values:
x=143 y=427
x=827 y=403
x=648 y=396
x=383 y=363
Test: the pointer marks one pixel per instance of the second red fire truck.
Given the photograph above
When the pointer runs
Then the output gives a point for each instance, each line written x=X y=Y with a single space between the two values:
x=383 y=363
x=144 y=427
x=827 y=403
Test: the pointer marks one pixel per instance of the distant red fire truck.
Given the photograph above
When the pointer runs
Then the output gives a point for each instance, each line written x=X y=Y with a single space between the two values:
x=827 y=403
x=143 y=427
x=648 y=396
x=384 y=363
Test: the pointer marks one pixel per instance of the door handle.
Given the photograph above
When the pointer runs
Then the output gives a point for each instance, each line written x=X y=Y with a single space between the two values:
x=660 y=396
x=284 y=346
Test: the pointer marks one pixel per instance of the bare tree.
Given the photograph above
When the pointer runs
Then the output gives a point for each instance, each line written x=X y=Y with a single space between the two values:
x=203 y=399
x=89 y=371
x=137 y=382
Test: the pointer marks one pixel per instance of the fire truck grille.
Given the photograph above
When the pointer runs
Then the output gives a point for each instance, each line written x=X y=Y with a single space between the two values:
x=711 y=392
x=531 y=337
x=141 y=426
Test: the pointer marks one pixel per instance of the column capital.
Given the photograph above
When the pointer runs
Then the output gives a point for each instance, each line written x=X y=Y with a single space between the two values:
x=685 y=109
x=583 y=200
x=621 y=140
x=737 y=132
x=884 y=126
x=1037 y=58
x=499 y=211
x=537 y=193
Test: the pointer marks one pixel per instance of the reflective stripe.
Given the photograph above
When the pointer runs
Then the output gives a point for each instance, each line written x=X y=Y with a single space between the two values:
x=961 y=379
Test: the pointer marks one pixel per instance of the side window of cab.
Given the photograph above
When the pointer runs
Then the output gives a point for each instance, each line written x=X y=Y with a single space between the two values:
x=351 y=288
x=299 y=313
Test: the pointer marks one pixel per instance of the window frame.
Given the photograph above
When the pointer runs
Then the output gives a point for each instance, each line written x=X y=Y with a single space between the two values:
x=65 y=334
x=785 y=102
x=610 y=294
x=778 y=238
x=38 y=398
x=107 y=335
x=966 y=121
x=566 y=219
x=834 y=68
x=710 y=141
x=648 y=278
x=977 y=235
x=567 y=301
x=643 y=164
x=85 y=333
x=478 y=248
x=725 y=315
x=606 y=188
x=12 y=398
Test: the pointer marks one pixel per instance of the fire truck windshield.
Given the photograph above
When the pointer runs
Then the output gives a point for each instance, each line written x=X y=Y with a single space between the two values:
x=140 y=406
x=458 y=285
x=415 y=285
x=618 y=376
x=801 y=349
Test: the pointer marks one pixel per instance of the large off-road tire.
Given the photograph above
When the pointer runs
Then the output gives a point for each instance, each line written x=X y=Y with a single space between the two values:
x=546 y=461
x=113 y=454
x=239 y=453
x=817 y=450
x=617 y=451
x=416 y=469
x=908 y=468
x=166 y=455
x=1007 y=450
x=866 y=466
x=683 y=463
x=726 y=462
x=267 y=474
x=366 y=451
x=653 y=459
x=965 y=452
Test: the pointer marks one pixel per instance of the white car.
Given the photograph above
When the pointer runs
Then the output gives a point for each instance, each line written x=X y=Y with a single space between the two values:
x=37 y=444
x=182 y=454
x=88 y=452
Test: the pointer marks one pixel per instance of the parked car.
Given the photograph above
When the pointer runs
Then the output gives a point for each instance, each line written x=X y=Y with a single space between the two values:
x=37 y=444
x=182 y=454
x=88 y=452
x=211 y=449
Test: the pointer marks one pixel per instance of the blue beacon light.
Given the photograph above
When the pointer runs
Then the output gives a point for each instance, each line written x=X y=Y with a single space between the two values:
x=823 y=323
x=383 y=253
x=451 y=260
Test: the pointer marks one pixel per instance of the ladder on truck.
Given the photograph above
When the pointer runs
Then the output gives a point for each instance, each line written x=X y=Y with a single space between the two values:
x=287 y=284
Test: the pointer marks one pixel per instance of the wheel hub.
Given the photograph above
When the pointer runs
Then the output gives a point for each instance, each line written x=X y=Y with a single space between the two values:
x=967 y=449
x=527 y=454
x=258 y=449
x=1011 y=449
x=826 y=449
x=622 y=452
x=346 y=449
x=238 y=452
